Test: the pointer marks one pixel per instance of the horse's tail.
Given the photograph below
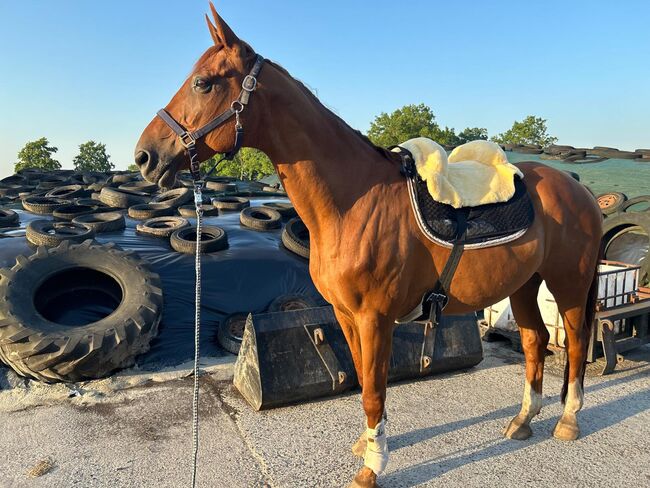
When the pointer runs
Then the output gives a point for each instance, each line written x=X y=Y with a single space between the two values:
x=590 y=314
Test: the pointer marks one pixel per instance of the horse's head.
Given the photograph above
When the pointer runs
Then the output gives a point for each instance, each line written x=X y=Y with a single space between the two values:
x=211 y=88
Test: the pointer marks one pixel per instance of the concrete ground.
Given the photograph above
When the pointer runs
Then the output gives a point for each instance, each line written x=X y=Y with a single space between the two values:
x=443 y=431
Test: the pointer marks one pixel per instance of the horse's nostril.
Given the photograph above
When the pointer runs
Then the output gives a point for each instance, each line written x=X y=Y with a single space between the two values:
x=142 y=158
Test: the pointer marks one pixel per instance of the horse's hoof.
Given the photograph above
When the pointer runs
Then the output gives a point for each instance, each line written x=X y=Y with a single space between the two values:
x=517 y=430
x=359 y=447
x=365 y=478
x=566 y=430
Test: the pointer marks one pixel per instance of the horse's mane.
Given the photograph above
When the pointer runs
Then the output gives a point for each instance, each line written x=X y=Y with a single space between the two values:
x=391 y=156
x=250 y=55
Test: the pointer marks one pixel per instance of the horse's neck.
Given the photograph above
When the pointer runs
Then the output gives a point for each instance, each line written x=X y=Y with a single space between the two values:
x=323 y=165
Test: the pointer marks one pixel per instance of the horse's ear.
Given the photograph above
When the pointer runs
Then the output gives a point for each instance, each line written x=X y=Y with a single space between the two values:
x=222 y=31
x=213 y=32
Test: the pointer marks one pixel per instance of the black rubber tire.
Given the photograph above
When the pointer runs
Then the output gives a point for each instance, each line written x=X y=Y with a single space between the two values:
x=635 y=201
x=145 y=211
x=616 y=225
x=557 y=149
x=102 y=222
x=116 y=198
x=295 y=237
x=71 y=211
x=122 y=178
x=585 y=160
x=162 y=226
x=573 y=175
x=143 y=186
x=213 y=239
x=612 y=153
x=226 y=186
x=51 y=181
x=611 y=202
x=8 y=218
x=189 y=211
x=271 y=189
x=91 y=201
x=286 y=209
x=230 y=332
x=49 y=351
x=528 y=149
x=43 y=205
x=68 y=192
x=260 y=218
x=51 y=234
x=231 y=203
x=174 y=198
x=287 y=303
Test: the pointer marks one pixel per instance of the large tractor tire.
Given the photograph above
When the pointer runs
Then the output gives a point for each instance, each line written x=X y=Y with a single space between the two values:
x=77 y=312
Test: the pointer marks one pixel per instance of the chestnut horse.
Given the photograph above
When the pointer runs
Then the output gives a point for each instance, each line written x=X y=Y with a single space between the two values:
x=368 y=256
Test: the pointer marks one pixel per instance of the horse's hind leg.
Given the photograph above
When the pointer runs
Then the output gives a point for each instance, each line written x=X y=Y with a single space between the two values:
x=574 y=300
x=534 y=339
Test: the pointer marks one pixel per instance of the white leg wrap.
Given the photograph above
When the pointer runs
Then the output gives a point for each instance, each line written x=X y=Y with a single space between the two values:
x=376 y=456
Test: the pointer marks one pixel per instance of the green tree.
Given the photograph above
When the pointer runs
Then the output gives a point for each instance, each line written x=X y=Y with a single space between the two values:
x=133 y=167
x=404 y=123
x=445 y=137
x=531 y=130
x=37 y=154
x=408 y=122
x=472 y=134
x=92 y=157
x=248 y=164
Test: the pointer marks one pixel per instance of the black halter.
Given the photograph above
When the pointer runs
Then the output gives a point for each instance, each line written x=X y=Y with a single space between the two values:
x=188 y=139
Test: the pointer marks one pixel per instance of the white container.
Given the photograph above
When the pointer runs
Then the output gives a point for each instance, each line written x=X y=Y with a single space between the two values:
x=617 y=284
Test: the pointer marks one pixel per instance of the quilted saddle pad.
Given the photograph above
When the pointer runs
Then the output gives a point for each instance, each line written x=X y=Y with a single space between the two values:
x=487 y=225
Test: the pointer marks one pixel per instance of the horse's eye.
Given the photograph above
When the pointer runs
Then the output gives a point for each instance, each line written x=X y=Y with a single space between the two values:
x=201 y=85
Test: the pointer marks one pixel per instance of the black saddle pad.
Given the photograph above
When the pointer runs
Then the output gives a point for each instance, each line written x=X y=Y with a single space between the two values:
x=484 y=223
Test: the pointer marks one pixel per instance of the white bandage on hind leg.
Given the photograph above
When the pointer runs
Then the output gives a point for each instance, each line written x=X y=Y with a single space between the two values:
x=376 y=456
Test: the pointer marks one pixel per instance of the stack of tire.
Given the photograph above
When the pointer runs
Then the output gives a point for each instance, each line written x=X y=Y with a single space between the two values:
x=612 y=153
x=626 y=230
x=569 y=154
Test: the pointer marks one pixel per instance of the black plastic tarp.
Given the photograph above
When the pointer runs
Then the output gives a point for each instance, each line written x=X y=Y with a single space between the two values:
x=246 y=277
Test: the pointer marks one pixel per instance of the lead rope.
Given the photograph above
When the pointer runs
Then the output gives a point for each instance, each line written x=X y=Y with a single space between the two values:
x=198 y=204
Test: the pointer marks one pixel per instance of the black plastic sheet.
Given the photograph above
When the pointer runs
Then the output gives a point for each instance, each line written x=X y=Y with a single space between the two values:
x=246 y=277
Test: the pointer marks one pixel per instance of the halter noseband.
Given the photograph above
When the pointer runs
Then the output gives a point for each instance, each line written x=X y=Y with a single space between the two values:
x=189 y=138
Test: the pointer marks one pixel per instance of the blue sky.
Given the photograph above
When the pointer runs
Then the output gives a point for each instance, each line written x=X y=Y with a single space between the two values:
x=77 y=70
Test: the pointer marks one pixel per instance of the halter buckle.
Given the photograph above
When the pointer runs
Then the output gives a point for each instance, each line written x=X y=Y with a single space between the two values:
x=187 y=140
x=249 y=83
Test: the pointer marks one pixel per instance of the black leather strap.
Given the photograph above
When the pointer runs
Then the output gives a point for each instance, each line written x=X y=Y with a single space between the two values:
x=189 y=138
x=447 y=275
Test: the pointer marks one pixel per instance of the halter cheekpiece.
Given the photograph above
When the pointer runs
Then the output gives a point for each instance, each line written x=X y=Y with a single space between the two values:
x=189 y=138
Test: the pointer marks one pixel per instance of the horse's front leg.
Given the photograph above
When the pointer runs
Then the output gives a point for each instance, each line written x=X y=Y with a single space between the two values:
x=351 y=333
x=376 y=334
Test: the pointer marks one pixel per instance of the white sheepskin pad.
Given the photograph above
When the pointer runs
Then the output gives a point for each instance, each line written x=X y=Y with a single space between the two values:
x=474 y=174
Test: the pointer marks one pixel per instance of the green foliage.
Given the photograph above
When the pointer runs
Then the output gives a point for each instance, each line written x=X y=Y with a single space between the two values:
x=248 y=164
x=417 y=121
x=133 y=167
x=92 y=157
x=404 y=123
x=37 y=154
x=472 y=134
x=531 y=130
x=444 y=137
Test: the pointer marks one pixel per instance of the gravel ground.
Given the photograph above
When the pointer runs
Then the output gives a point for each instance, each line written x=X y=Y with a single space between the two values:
x=135 y=431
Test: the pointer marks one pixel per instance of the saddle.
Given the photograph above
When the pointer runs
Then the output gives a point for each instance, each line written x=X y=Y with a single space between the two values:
x=459 y=229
